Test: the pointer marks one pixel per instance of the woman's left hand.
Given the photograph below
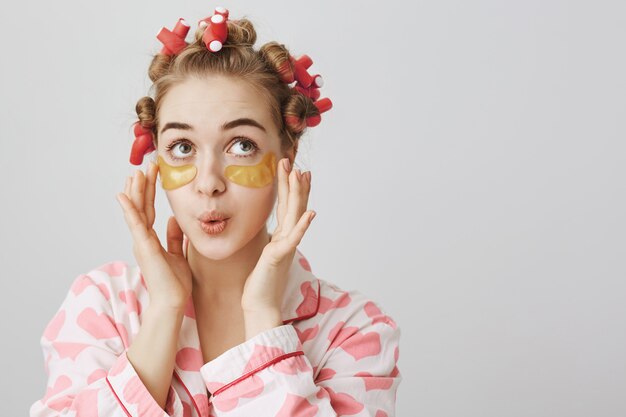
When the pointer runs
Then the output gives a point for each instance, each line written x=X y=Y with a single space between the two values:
x=265 y=287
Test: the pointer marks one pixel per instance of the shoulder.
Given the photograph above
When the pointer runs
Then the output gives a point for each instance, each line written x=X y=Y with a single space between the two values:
x=103 y=303
x=109 y=276
x=117 y=284
x=326 y=302
x=350 y=329
x=351 y=306
x=332 y=307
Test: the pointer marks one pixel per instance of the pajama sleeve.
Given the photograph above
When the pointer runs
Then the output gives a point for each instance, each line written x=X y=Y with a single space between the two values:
x=269 y=374
x=84 y=348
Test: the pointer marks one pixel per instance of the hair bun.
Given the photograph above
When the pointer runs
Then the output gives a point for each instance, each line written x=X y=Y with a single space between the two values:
x=277 y=57
x=298 y=111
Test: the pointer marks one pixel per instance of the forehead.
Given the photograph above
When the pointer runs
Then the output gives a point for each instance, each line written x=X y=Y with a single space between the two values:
x=210 y=101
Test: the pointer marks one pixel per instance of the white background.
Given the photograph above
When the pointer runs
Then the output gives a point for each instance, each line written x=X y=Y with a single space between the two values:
x=470 y=179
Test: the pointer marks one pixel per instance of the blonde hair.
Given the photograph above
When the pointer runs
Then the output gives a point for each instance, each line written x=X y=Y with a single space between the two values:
x=262 y=69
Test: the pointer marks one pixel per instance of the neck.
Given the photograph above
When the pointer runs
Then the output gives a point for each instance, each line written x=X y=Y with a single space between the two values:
x=221 y=281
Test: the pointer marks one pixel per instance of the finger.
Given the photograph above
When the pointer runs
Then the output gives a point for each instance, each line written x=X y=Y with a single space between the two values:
x=306 y=190
x=283 y=192
x=133 y=219
x=127 y=186
x=297 y=233
x=138 y=193
x=289 y=217
x=174 y=237
x=150 y=192
x=294 y=204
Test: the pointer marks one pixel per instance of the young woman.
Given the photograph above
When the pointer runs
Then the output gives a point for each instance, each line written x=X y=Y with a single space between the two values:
x=229 y=320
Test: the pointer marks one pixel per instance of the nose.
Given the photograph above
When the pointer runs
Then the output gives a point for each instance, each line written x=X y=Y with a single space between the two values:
x=210 y=178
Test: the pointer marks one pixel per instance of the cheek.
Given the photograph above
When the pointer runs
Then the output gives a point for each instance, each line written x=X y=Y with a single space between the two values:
x=176 y=202
x=255 y=206
x=256 y=203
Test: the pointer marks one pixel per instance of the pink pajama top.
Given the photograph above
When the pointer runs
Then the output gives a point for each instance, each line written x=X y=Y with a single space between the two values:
x=335 y=354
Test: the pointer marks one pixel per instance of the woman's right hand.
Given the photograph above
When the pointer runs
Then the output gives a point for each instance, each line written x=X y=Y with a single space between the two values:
x=167 y=273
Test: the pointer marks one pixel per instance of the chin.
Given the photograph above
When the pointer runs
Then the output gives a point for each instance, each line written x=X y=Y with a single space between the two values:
x=215 y=249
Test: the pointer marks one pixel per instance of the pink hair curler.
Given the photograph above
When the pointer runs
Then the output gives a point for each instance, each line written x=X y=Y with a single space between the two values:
x=173 y=41
x=142 y=145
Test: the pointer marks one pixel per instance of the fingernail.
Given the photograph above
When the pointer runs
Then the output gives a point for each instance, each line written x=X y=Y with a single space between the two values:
x=287 y=165
x=311 y=216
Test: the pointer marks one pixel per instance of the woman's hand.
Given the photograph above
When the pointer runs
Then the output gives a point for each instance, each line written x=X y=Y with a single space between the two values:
x=265 y=287
x=167 y=274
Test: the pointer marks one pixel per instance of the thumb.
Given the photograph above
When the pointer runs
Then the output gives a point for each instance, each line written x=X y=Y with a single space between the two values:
x=174 y=237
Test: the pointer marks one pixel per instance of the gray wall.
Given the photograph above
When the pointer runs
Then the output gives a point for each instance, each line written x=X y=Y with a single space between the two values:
x=472 y=171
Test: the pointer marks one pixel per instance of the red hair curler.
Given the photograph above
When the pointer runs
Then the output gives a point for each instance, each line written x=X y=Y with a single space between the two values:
x=142 y=145
x=173 y=41
x=322 y=105
x=294 y=122
x=301 y=74
x=313 y=91
x=221 y=10
x=216 y=31
x=285 y=72
x=318 y=81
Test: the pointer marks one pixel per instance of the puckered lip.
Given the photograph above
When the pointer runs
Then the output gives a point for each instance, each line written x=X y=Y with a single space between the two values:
x=213 y=215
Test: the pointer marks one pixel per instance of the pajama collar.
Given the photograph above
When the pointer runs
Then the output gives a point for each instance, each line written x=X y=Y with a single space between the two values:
x=301 y=301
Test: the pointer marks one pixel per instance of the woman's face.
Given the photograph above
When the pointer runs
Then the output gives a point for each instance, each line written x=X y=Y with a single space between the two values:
x=206 y=105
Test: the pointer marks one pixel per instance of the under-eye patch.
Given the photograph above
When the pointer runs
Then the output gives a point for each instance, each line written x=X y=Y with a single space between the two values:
x=256 y=176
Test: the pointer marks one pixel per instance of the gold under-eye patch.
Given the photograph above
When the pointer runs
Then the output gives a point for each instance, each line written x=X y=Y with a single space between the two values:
x=174 y=177
x=258 y=175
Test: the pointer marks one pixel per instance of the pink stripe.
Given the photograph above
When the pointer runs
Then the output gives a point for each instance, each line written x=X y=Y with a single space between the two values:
x=188 y=393
x=265 y=365
x=118 y=398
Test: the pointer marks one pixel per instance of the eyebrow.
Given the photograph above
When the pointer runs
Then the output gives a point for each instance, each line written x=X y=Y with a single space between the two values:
x=243 y=121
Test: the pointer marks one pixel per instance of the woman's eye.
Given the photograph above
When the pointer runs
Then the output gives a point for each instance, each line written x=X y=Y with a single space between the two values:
x=176 y=146
x=243 y=147
x=248 y=147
